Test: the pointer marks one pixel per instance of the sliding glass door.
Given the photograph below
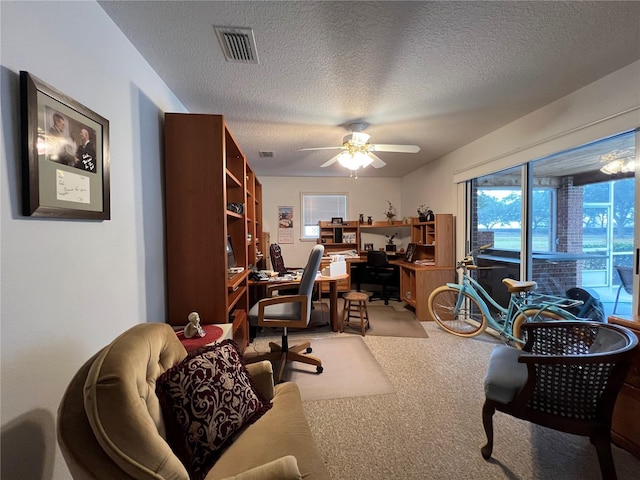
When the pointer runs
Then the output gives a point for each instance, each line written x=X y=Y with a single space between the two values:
x=497 y=223
x=578 y=210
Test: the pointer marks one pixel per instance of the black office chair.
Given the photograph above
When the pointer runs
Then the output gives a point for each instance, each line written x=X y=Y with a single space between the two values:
x=277 y=262
x=380 y=272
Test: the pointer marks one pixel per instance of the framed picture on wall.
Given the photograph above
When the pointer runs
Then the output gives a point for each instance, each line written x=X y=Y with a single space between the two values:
x=368 y=247
x=65 y=155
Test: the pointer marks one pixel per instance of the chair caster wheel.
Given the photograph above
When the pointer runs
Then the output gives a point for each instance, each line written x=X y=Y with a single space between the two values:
x=319 y=369
x=309 y=350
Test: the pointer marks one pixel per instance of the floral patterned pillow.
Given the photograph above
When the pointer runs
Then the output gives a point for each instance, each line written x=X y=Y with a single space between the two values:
x=205 y=400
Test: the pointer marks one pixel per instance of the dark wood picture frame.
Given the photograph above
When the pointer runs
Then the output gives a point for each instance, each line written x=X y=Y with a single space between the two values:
x=368 y=247
x=65 y=155
x=336 y=220
x=409 y=254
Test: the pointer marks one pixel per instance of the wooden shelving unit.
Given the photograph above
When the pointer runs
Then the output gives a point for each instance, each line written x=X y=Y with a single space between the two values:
x=206 y=171
x=337 y=237
x=254 y=219
x=434 y=240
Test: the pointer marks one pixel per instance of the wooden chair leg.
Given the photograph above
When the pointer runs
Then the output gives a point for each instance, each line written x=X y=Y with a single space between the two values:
x=345 y=313
x=363 y=317
x=487 y=421
x=605 y=457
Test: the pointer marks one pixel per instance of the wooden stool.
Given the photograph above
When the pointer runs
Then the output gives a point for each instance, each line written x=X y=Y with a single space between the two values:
x=355 y=302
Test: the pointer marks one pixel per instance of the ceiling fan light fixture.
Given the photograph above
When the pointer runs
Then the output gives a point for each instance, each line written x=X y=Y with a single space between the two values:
x=348 y=161
x=618 y=161
x=363 y=159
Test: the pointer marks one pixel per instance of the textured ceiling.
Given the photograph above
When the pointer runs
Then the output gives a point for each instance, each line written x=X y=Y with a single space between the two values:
x=435 y=74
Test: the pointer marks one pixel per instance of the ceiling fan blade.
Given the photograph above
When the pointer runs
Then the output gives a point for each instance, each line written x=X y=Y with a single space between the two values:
x=330 y=161
x=319 y=148
x=377 y=161
x=381 y=147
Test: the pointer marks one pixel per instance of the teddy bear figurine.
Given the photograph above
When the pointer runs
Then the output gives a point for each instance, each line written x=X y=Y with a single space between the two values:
x=193 y=328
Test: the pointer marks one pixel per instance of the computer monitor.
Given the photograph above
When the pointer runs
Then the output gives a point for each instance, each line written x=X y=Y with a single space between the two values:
x=231 y=257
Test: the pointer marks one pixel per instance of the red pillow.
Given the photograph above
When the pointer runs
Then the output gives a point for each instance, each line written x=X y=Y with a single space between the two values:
x=205 y=400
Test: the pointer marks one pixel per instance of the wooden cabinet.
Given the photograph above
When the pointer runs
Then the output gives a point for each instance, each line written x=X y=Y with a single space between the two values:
x=343 y=285
x=435 y=253
x=211 y=195
x=417 y=283
x=625 y=427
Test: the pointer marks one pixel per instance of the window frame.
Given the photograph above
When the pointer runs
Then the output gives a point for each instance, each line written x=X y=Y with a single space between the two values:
x=326 y=214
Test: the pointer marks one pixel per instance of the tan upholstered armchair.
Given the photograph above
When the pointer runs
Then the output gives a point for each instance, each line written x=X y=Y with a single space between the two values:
x=110 y=423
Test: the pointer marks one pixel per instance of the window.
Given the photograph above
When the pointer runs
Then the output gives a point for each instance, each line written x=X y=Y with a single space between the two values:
x=320 y=206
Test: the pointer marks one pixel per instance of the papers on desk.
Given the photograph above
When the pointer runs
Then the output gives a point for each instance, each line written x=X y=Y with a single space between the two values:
x=425 y=262
x=345 y=253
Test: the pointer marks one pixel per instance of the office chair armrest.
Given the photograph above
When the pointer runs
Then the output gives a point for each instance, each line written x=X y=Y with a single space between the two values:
x=265 y=302
x=262 y=375
x=283 y=322
x=282 y=286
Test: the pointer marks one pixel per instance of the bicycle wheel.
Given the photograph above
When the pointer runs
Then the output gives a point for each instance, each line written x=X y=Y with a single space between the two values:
x=539 y=315
x=467 y=321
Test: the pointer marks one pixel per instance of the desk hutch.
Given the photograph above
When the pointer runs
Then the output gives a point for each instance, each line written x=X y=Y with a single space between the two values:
x=434 y=243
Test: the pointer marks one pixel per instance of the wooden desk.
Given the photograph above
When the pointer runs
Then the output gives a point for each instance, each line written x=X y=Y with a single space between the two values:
x=625 y=425
x=333 y=292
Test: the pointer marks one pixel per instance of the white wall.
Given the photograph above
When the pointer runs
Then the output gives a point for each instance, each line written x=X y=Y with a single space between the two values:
x=608 y=106
x=366 y=195
x=69 y=287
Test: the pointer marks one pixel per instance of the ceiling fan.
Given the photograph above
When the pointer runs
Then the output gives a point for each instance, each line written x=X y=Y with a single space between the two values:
x=359 y=153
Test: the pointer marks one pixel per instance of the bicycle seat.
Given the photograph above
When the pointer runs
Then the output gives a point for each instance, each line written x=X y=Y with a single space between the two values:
x=515 y=286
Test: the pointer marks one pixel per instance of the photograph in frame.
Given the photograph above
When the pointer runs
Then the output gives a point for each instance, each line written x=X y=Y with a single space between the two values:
x=410 y=253
x=65 y=160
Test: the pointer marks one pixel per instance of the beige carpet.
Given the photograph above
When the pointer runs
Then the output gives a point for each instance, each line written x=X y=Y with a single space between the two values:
x=350 y=370
x=392 y=320
x=431 y=427
x=388 y=321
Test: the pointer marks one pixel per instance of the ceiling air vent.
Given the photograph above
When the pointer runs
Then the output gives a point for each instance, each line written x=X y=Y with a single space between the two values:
x=238 y=44
x=265 y=154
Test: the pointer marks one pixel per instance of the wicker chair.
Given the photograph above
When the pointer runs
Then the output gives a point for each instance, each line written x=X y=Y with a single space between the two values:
x=566 y=377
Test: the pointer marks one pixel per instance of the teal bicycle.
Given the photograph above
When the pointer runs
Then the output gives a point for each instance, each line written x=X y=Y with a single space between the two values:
x=463 y=308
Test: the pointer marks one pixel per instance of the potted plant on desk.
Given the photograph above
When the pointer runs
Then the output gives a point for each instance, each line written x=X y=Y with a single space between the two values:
x=390 y=246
